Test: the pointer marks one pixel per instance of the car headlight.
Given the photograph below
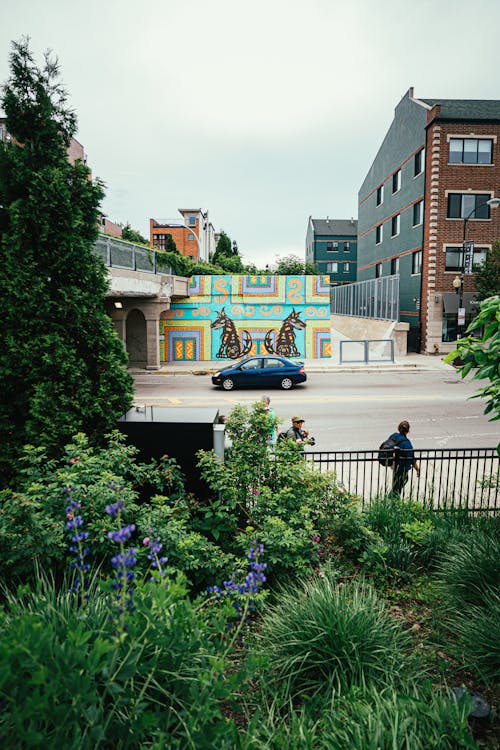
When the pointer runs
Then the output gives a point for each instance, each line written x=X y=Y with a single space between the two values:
x=217 y=375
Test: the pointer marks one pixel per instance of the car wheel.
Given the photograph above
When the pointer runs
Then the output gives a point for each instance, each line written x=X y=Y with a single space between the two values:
x=286 y=383
x=228 y=384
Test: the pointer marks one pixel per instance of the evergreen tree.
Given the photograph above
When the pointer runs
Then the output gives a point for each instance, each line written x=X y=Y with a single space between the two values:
x=62 y=366
x=224 y=247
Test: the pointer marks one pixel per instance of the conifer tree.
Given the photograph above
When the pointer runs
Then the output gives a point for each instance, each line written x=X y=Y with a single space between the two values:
x=62 y=366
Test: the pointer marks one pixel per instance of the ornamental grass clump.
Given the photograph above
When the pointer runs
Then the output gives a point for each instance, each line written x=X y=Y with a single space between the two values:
x=322 y=638
x=468 y=579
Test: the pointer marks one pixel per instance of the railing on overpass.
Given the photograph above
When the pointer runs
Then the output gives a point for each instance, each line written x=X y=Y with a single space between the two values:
x=374 y=298
x=450 y=478
x=118 y=253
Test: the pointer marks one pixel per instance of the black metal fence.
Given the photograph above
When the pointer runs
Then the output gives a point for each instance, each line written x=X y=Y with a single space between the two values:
x=450 y=478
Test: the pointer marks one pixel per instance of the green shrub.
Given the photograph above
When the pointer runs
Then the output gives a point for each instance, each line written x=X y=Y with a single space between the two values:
x=468 y=578
x=386 y=719
x=469 y=570
x=321 y=638
x=69 y=679
x=275 y=495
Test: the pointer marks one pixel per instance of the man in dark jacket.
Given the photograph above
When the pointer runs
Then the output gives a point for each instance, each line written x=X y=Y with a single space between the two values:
x=298 y=434
x=405 y=458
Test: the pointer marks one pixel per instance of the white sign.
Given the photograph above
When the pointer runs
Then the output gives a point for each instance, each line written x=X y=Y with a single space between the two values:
x=468 y=251
x=461 y=316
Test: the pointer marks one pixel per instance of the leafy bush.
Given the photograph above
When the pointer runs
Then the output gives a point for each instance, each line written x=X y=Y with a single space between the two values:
x=274 y=494
x=322 y=638
x=86 y=686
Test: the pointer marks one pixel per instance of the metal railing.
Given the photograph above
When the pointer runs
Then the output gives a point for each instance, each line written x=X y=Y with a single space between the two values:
x=374 y=298
x=366 y=350
x=118 y=253
x=450 y=478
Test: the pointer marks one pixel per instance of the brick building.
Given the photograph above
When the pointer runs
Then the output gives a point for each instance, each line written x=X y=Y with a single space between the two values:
x=430 y=182
x=193 y=234
x=332 y=245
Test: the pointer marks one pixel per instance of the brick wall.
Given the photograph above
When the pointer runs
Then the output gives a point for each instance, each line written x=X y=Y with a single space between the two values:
x=441 y=179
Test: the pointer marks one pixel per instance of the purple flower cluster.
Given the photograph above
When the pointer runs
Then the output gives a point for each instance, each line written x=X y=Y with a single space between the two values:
x=155 y=547
x=74 y=523
x=123 y=562
x=251 y=585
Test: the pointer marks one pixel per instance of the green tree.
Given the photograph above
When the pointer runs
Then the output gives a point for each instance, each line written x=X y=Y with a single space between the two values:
x=487 y=276
x=482 y=351
x=224 y=247
x=62 y=366
x=132 y=235
x=292 y=265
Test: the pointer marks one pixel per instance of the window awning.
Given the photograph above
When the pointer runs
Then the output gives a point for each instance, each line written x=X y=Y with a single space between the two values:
x=450 y=303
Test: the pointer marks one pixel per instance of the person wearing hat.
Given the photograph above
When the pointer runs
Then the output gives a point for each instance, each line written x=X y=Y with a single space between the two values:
x=297 y=433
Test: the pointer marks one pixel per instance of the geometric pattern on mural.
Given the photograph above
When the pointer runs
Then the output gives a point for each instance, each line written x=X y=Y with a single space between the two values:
x=258 y=307
x=322 y=344
x=317 y=288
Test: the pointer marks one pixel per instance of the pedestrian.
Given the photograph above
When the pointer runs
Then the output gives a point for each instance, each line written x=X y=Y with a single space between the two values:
x=273 y=430
x=405 y=459
x=297 y=433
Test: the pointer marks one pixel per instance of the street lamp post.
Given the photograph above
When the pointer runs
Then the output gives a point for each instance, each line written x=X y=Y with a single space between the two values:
x=458 y=281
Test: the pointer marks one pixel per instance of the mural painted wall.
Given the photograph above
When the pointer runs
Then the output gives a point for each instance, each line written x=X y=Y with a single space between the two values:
x=226 y=317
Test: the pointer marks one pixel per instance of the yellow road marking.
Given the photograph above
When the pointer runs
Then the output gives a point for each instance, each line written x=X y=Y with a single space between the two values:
x=307 y=399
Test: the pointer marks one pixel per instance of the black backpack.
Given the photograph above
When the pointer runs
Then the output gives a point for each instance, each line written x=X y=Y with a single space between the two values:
x=282 y=436
x=388 y=450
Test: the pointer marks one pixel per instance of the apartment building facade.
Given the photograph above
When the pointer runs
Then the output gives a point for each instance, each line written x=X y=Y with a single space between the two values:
x=193 y=233
x=429 y=184
x=332 y=245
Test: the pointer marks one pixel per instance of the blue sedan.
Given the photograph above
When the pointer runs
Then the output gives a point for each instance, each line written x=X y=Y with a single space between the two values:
x=266 y=372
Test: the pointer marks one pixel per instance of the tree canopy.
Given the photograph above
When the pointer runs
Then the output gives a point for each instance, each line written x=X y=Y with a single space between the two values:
x=291 y=265
x=62 y=366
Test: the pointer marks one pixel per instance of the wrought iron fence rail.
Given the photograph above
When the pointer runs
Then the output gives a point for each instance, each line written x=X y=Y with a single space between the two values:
x=450 y=478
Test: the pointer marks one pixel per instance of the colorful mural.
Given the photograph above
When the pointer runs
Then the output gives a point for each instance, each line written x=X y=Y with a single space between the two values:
x=226 y=317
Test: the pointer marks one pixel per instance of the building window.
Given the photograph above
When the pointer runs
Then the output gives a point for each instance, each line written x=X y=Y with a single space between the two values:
x=346 y=267
x=471 y=150
x=395 y=226
x=418 y=163
x=192 y=221
x=190 y=236
x=347 y=247
x=378 y=270
x=380 y=195
x=418 y=213
x=462 y=205
x=332 y=246
x=379 y=234
x=396 y=181
x=454 y=258
x=416 y=262
x=394 y=266
x=332 y=267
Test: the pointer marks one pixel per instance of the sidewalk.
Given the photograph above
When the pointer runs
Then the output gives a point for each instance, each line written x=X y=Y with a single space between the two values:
x=409 y=363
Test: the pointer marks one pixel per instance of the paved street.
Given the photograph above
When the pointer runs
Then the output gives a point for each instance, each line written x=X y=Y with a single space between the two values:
x=348 y=411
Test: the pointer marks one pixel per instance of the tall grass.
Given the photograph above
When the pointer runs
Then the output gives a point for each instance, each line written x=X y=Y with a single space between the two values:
x=468 y=578
x=321 y=639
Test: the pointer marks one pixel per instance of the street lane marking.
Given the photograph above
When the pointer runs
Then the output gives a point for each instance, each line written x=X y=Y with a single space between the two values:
x=370 y=398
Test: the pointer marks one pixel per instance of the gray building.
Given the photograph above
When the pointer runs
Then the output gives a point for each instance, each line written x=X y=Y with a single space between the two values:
x=437 y=167
x=332 y=245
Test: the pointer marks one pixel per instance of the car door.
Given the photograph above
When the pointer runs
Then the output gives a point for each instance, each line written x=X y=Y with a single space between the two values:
x=273 y=370
x=249 y=372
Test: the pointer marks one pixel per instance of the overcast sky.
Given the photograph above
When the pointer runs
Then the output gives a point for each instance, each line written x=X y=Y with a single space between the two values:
x=261 y=112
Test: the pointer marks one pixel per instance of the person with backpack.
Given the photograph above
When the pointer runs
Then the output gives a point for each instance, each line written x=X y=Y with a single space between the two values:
x=273 y=430
x=404 y=458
